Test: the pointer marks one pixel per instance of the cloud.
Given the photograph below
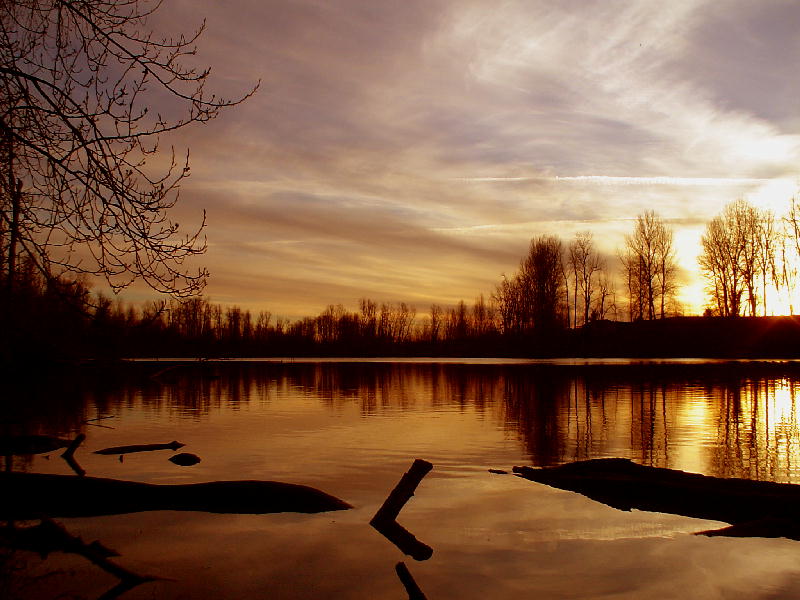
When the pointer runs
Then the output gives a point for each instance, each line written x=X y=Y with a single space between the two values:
x=411 y=150
x=612 y=180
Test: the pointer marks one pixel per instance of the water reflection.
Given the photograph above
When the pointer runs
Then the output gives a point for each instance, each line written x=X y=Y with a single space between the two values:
x=728 y=421
x=352 y=429
x=757 y=430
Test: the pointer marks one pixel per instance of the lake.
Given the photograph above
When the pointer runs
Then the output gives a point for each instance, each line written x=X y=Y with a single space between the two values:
x=353 y=427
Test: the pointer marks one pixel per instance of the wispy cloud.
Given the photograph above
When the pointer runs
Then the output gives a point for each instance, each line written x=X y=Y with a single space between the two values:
x=681 y=181
x=347 y=171
x=643 y=180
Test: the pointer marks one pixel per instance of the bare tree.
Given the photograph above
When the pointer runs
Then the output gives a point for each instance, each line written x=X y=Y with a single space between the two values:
x=720 y=265
x=506 y=295
x=585 y=263
x=605 y=304
x=536 y=297
x=793 y=221
x=648 y=260
x=404 y=321
x=480 y=317
x=368 y=320
x=79 y=80
x=787 y=271
x=631 y=265
x=748 y=220
x=458 y=321
x=541 y=277
x=573 y=260
x=766 y=255
x=789 y=258
x=262 y=328
x=435 y=322
x=737 y=248
x=666 y=267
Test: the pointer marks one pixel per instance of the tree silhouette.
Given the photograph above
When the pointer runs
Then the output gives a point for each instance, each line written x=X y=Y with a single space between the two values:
x=78 y=83
x=649 y=265
x=585 y=264
x=738 y=248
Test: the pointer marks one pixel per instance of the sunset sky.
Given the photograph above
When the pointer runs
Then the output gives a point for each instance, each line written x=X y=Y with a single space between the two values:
x=409 y=151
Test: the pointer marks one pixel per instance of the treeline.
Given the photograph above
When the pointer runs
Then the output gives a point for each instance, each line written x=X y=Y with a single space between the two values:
x=59 y=318
x=544 y=308
x=749 y=261
x=559 y=285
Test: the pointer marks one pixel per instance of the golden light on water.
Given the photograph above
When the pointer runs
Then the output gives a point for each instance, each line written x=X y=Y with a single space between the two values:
x=352 y=428
x=781 y=403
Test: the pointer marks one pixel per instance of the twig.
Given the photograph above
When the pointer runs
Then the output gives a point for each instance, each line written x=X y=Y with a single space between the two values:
x=89 y=422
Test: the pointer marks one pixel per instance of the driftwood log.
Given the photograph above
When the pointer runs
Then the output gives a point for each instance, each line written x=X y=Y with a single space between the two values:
x=385 y=519
x=754 y=508
x=35 y=495
x=173 y=445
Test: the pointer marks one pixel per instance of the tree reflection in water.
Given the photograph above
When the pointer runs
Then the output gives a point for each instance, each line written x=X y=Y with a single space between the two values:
x=262 y=419
x=740 y=418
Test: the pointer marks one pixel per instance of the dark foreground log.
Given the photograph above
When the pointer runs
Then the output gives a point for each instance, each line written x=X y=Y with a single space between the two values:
x=34 y=495
x=769 y=509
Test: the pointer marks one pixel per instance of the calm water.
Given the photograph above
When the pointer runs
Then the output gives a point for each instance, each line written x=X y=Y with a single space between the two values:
x=352 y=429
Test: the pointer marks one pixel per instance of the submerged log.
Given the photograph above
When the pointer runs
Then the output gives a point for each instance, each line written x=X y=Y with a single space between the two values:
x=35 y=495
x=770 y=509
x=173 y=445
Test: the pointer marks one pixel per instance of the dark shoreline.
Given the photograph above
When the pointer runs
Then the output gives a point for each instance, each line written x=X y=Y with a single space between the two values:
x=676 y=344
